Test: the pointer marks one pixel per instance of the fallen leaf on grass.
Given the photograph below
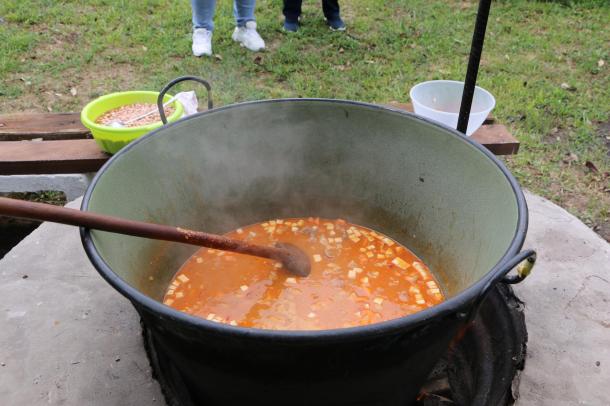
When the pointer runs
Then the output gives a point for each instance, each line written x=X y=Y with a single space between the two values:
x=258 y=60
x=73 y=91
x=568 y=87
x=591 y=166
x=600 y=63
x=218 y=57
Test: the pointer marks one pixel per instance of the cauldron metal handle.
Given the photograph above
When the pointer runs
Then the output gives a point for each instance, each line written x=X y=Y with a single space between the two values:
x=525 y=261
x=176 y=81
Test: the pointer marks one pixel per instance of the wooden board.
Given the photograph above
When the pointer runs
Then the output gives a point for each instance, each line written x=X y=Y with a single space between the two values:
x=65 y=149
x=48 y=157
x=48 y=126
x=495 y=137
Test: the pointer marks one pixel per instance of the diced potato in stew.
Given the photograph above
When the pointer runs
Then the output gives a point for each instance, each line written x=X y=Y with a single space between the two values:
x=358 y=277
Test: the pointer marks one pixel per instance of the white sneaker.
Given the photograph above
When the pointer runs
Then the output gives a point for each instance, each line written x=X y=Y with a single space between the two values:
x=248 y=37
x=202 y=42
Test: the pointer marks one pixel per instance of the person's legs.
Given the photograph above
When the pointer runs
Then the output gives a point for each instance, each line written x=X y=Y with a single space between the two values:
x=332 y=14
x=292 y=10
x=245 y=33
x=243 y=10
x=203 y=25
x=203 y=14
x=331 y=9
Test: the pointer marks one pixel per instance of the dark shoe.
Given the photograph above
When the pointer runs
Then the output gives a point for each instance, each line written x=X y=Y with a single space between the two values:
x=291 y=26
x=336 y=24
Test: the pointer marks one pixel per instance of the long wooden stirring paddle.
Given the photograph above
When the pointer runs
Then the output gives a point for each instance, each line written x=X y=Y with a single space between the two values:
x=292 y=258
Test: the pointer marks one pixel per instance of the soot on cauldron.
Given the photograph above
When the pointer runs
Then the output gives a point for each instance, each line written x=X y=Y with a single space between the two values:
x=478 y=369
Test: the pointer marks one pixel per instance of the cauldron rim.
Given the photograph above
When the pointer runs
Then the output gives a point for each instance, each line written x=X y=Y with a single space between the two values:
x=458 y=304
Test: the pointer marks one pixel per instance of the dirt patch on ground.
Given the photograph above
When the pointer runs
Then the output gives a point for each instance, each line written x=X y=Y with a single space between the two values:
x=46 y=86
x=589 y=200
x=580 y=186
x=603 y=230
x=87 y=83
x=556 y=135
x=577 y=204
x=604 y=132
x=581 y=190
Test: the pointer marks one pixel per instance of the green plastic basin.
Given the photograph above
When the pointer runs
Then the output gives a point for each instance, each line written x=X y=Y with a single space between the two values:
x=112 y=139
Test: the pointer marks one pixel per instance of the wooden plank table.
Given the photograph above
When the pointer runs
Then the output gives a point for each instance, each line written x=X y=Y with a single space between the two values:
x=50 y=126
x=51 y=143
x=495 y=137
x=50 y=157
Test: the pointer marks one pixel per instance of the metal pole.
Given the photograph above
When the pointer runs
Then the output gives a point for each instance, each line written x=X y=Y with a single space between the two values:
x=473 y=64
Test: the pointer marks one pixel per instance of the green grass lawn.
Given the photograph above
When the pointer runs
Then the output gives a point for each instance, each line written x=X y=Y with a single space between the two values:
x=547 y=63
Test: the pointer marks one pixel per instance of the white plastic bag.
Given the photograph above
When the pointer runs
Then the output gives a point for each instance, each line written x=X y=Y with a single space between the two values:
x=189 y=102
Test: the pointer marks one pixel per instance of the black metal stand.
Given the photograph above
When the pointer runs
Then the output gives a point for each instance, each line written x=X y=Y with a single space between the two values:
x=473 y=64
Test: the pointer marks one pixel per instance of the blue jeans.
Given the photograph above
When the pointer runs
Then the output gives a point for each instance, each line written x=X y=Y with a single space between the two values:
x=203 y=13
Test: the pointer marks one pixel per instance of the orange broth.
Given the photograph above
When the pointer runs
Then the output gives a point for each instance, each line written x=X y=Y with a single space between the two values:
x=358 y=277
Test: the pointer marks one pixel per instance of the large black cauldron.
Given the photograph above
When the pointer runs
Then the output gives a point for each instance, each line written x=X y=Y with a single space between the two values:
x=429 y=187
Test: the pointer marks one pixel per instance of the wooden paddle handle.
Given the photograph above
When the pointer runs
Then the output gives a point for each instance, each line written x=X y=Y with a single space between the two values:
x=74 y=217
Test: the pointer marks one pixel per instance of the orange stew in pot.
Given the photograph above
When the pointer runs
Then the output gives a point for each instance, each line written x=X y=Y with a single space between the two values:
x=358 y=277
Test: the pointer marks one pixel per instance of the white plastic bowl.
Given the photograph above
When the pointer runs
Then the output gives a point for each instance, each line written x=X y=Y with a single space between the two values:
x=440 y=100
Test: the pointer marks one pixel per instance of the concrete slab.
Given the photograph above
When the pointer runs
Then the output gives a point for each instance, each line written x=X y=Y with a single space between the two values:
x=73 y=185
x=567 y=311
x=67 y=338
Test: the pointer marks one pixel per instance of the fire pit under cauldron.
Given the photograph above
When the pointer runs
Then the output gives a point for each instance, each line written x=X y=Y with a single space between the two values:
x=430 y=188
